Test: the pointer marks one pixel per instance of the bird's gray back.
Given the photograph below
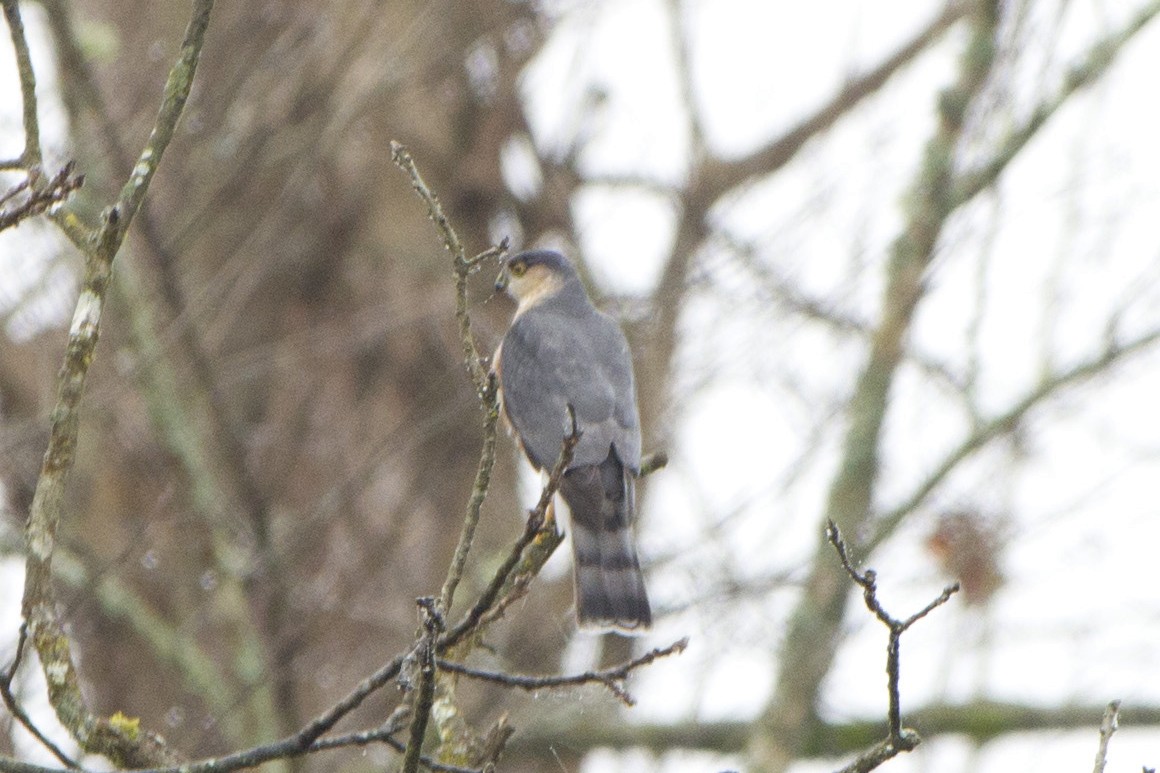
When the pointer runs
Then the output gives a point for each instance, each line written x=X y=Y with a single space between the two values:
x=555 y=355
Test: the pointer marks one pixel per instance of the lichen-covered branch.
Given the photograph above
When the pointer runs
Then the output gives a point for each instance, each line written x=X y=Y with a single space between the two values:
x=119 y=738
x=424 y=692
x=190 y=428
x=979 y=721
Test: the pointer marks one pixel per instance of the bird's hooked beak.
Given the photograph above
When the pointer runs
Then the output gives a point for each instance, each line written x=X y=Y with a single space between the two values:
x=501 y=281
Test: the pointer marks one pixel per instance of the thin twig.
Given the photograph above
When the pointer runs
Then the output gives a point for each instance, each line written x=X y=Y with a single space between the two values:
x=464 y=267
x=879 y=753
x=1088 y=69
x=650 y=463
x=850 y=499
x=31 y=156
x=41 y=196
x=384 y=735
x=1008 y=422
x=485 y=384
x=610 y=678
x=329 y=718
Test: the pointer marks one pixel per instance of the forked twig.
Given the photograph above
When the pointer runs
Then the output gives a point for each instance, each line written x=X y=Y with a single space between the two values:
x=900 y=739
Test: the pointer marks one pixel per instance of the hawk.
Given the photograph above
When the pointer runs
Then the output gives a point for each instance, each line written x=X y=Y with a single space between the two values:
x=562 y=352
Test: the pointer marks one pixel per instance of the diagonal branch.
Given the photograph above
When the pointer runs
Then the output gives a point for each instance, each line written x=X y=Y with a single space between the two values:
x=713 y=178
x=540 y=537
x=779 y=152
x=1006 y=423
x=1097 y=61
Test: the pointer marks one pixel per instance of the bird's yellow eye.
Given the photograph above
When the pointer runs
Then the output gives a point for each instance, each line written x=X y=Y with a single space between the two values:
x=518 y=269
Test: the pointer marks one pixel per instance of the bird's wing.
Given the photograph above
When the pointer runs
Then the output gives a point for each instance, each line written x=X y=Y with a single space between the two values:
x=549 y=361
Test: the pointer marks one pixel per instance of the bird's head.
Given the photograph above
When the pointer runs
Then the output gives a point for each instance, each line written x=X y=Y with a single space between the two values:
x=530 y=277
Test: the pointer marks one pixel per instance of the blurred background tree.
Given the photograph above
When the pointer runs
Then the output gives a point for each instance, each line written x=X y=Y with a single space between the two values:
x=834 y=307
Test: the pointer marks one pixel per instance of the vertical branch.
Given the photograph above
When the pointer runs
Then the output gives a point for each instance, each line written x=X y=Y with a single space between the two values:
x=485 y=384
x=120 y=739
x=206 y=447
x=463 y=266
x=425 y=692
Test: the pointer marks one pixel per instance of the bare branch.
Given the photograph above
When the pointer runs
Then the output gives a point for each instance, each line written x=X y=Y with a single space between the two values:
x=778 y=153
x=385 y=735
x=809 y=649
x=1007 y=422
x=650 y=463
x=980 y=721
x=1097 y=61
x=880 y=753
x=611 y=678
x=478 y=494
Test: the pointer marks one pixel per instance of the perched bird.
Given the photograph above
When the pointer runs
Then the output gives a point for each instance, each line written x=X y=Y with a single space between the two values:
x=562 y=352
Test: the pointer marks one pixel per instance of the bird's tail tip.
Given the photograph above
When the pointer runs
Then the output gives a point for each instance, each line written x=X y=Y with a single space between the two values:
x=612 y=601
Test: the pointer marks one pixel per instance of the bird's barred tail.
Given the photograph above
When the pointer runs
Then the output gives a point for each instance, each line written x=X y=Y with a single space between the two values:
x=610 y=592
